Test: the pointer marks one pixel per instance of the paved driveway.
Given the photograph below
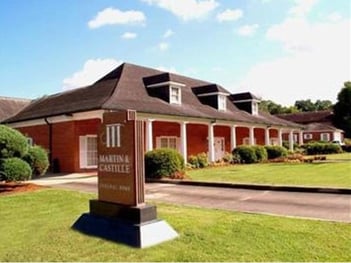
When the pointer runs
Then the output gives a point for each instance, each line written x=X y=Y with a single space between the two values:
x=335 y=207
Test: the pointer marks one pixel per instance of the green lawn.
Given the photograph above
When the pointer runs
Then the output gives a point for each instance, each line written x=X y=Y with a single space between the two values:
x=335 y=172
x=36 y=227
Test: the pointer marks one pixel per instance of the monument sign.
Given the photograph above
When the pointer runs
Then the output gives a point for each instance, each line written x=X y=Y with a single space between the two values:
x=120 y=213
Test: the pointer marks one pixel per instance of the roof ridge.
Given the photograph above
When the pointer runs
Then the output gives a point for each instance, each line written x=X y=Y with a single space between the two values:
x=14 y=98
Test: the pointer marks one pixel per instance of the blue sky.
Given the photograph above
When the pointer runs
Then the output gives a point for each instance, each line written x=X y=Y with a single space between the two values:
x=282 y=50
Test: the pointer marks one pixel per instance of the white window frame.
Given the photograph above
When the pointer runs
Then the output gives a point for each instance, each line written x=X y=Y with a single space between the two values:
x=168 y=138
x=274 y=141
x=246 y=141
x=307 y=136
x=327 y=137
x=30 y=141
x=175 y=98
x=83 y=152
x=222 y=102
x=254 y=108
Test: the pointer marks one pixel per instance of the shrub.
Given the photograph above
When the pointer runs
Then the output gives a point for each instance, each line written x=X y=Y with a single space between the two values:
x=163 y=163
x=12 y=143
x=247 y=154
x=37 y=158
x=198 y=161
x=261 y=153
x=346 y=148
x=15 y=169
x=322 y=148
x=228 y=158
x=275 y=151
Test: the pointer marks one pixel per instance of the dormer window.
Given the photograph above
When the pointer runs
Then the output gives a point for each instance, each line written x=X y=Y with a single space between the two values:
x=254 y=106
x=222 y=102
x=175 y=95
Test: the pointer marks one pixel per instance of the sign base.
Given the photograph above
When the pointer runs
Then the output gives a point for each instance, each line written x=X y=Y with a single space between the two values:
x=134 y=226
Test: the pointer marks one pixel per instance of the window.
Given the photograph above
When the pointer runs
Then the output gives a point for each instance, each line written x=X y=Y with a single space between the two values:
x=167 y=142
x=307 y=136
x=30 y=141
x=222 y=102
x=325 y=137
x=246 y=141
x=174 y=95
x=88 y=151
x=113 y=135
x=254 y=108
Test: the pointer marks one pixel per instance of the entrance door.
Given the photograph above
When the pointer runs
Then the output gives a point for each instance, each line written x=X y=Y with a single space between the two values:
x=219 y=148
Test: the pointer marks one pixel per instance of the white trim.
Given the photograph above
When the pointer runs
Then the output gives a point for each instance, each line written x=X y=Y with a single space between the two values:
x=183 y=141
x=213 y=93
x=211 y=153
x=325 y=134
x=246 y=141
x=256 y=100
x=87 y=115
x=158 y=142
x=307 y=136
x=224 y=101
x=166 y=83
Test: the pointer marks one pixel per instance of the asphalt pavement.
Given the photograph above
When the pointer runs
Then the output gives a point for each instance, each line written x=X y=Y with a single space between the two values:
x=321 y=206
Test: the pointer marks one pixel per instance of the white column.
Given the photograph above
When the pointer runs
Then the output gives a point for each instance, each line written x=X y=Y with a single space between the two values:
x=149 y=141
x=266 y=137
x=251 y=136
x=232 y=137
x=291 y=140
x=211 y=153
x=280 y=137
x=300 y=137
x=183 y=141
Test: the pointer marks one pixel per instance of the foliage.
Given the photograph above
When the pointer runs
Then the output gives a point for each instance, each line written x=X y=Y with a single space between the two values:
x=15 y=169
x=346 y=148
x=12 y=143
x=37 y=158
x=247 y=154
x=275 y=151
x=321 y=148
x=342 y=109
x=261 y=153
x=228 y=158
x=274 y=108
x=163 y=163
x=198 y=161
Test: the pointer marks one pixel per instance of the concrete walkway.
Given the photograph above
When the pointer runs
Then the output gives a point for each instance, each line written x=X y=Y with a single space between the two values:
x=322 y=206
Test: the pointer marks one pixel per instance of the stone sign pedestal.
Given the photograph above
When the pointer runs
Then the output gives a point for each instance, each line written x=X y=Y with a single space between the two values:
x=120 y=213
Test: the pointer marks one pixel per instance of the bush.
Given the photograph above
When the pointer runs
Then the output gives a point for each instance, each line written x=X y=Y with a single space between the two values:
x=228 y=158
x=163 y=163
x=247 y=154
x=261 y=153
x=12 y=143
x=322 y=148
x=37 y=158
x=198 y=161
x=15 y=169
x=275 y=151
x=346 y=148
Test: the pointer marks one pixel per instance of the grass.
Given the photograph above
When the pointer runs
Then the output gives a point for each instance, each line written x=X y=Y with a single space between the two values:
x=335 y=172
x=36 y=227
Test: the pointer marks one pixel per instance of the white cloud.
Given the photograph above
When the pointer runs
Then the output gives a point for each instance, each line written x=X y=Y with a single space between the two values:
x=168 y=33
x=186 y=9
x=163 y=46
x=112 y=16
x=129 y=35
x=334 y=17
x=247 y=30
x=93 y=70
x=230 y=15
x=315 y=65
x=302 y=7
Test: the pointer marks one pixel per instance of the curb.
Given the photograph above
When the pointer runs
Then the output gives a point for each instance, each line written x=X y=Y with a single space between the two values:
x=288 y=188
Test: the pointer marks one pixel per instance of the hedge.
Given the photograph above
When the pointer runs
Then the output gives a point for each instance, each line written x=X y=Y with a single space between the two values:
x=321 y=148
x=12 y=143
x=15 y=169
x=246 y=153
x=163 y=163
x=275 y=151
x=37 y=158
x=261 y=153
x=198 y=161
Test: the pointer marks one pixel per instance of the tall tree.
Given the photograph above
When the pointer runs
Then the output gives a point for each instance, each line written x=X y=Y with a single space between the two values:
x=342 y=109
x=305 y=105
x=323 y=105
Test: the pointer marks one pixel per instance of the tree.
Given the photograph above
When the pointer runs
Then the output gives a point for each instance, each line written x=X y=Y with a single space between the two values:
x=274 y=108
x=342 y=109
x=305 y=105
x=323 y=105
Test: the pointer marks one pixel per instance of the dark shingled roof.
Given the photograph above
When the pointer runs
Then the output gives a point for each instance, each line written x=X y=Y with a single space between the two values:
x=244 y=96
x=10 y=106
x=124 y=88
x=210 y=88
x=321 y=126
x=308 y=117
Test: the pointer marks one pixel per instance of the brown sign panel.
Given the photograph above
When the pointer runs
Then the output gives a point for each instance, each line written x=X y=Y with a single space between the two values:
x=121 y=159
